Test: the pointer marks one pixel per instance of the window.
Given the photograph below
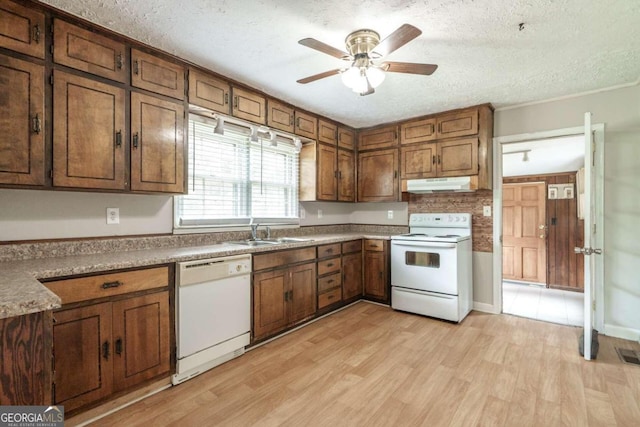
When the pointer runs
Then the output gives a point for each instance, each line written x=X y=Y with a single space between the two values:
x=233 y=177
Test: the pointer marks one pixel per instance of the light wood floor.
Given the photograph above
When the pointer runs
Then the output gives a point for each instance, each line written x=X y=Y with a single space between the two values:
x=371 y=366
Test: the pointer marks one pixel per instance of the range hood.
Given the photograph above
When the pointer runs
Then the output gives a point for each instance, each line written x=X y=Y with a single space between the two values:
x=434 y=185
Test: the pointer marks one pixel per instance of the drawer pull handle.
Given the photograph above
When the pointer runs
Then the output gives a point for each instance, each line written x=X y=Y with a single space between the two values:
x=330 y=281
x=330 y=250
x=118 y=346
x=105 y=350
x=330 y=297
x=330 y=264
x=108 y=285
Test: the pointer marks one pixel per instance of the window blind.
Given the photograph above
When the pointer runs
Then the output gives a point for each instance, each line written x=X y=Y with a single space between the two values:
x=232 y=179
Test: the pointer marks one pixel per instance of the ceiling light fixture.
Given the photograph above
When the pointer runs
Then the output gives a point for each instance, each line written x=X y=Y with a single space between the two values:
x=273 y=138
x=219 y=128
x=254 y=134
x=362 y=76
x=525 y=154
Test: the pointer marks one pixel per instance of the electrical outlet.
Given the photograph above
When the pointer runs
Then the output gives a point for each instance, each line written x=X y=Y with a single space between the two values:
x=486 y=210
x=389 y=214
x=319 y=213
x=113 y=215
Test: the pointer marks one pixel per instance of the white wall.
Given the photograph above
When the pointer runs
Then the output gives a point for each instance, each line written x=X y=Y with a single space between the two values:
x=354 y=213
x=34 y=214
x=619 y=110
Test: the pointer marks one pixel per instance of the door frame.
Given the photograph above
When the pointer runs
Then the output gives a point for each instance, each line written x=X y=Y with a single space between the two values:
x=498 y=142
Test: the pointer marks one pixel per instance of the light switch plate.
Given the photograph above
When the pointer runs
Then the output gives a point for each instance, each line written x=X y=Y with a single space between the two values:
x=113 y=216
x=389 y=214
x=486 y=210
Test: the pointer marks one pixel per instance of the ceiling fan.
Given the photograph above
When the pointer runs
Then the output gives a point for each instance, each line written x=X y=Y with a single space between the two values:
x=364 y=47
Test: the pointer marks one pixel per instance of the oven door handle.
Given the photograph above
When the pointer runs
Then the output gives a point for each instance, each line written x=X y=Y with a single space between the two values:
x=422 y=244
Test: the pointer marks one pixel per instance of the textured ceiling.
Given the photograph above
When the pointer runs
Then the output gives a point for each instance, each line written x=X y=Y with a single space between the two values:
x=566 y=47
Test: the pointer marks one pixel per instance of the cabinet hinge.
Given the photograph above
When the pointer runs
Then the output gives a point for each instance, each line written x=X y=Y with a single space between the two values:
x=51 y=174
x=51 y=49
x=51 y=79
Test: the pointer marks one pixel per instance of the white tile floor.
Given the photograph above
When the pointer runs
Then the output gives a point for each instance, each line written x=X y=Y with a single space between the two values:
x=538 y=302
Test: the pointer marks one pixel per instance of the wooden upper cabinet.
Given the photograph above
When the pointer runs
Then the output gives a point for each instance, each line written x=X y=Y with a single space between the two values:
x=156 y=74
x=21 y=29
x=458 y=157
x=418 y=131
x=346 y=138
x=249 y=106
x=453 y=125
x=22 y=125
x=157 y=144
x=209 y=92
x=327 y=132
x=279 y=116
x=383 y=137
x=327 y=184
x=418 y=161
x=306 y=125
x=88 y=133
x=87 y=51
x=346 y=176
x=378 y=176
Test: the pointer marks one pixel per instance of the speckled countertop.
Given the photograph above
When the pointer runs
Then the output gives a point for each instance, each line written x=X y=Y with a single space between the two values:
x=21 y=293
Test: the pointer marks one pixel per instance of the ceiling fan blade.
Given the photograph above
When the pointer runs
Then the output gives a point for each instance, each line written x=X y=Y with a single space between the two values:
x=324 y=48
x=397 y=39
x=409 y=68
x=319 y=76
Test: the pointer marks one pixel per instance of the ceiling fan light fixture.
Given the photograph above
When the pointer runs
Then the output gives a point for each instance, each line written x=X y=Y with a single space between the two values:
x=375 y=76
x=355 y=78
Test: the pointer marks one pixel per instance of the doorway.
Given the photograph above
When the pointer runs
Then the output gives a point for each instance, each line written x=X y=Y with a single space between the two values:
x=542 y=277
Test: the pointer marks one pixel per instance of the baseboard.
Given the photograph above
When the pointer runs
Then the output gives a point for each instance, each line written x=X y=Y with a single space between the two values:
x=485 y=308
x=621 y=332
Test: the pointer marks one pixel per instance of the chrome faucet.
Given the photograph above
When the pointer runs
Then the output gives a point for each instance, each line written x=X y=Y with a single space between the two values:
x=254 y=230
x=268 y=232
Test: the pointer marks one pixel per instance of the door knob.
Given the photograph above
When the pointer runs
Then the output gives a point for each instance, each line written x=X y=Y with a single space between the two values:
x=542 y=236
x=542 y=227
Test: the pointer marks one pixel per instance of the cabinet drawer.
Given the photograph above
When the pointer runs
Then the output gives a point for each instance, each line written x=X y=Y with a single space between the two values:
x=329 y=298
x=330 y=265
x=105 y=285
x=283 y=258
x=86 y=51
x=374 y=245
x=355 y=246
x=157 y=75
x=329 y=282
x=328 y=250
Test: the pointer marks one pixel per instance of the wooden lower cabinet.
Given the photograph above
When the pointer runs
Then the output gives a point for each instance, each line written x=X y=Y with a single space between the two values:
x=376 y=270
x=283 y=297
x=351 y=275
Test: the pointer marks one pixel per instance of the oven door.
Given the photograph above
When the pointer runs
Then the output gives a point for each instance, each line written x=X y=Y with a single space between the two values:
x=426 y=266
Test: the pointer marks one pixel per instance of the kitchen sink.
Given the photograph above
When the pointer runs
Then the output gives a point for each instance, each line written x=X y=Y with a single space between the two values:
x=292 y=239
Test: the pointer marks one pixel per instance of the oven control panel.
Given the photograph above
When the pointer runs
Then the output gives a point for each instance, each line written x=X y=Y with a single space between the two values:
x=461 y=220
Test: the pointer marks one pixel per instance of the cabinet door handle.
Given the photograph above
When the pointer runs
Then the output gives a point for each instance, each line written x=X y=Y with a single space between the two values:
x=291 y=295
x=136 y=140
x=439 y=162
x=36 y=33
x=395 y=174
x=119 y=61
x=434 y=159
x=37 y=126
x=286 y=296
x=119 y=138
x=290 y=120
x=109 y=285
x=105 y=350
x=136 y=67
x=298 y=122
x=226 y=98
x=118 y=347
x=235 y=102
x=335 y=174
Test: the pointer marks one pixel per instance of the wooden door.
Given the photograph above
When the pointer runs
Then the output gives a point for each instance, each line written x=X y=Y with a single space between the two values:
x=302 y=295
x=209 y=92
x=377 y=138
x=141 y=349
x=378 y=176
x=327 y=132
x=524 y=232
x=458 y=157
x=21 y=29
x=346 y=176
x=375 y=274
x=88 y=130
x=418 y=131
x=22 y=122
x=87 y=51
x=327 y=173
x=418 y=161
x=453 y=125
x=157 y=144
x=156 y=74
x=280 y=116
x=346 y=138
x=351 y=275
x=249 y=106
x=82 y=355
x=306 y=125
x=270 y=310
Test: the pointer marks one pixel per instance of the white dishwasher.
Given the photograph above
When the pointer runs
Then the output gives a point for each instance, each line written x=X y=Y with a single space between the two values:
x=213 y=313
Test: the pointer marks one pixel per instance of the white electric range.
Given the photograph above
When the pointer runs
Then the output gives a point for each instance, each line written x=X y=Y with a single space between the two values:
x=431 y=267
